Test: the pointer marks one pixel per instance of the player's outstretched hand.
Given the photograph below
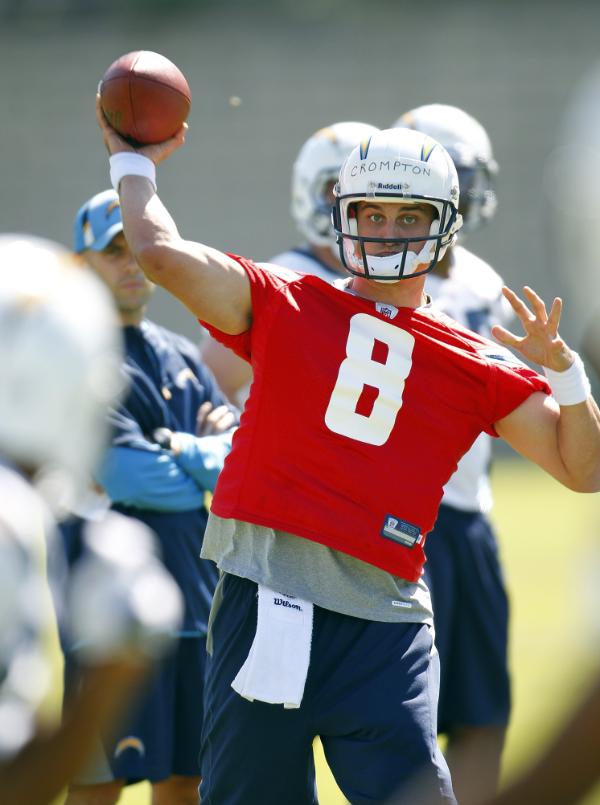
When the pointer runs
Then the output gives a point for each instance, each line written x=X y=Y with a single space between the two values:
x=541 y=342
x=116 y=144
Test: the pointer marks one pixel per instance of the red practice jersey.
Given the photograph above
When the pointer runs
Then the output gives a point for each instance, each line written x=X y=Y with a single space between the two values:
x=357 y=416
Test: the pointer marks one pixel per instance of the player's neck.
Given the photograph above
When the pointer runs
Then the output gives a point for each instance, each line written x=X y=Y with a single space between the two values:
x=404 y=293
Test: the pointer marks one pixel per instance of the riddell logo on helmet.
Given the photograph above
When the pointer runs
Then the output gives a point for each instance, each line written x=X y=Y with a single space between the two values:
x=391 y=186
x=396 y=166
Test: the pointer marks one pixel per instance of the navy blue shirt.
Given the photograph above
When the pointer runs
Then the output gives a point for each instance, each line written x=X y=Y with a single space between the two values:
x=168 y=383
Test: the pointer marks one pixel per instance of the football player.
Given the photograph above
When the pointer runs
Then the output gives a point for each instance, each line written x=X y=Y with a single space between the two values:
x=463 y=570
x=364 y=398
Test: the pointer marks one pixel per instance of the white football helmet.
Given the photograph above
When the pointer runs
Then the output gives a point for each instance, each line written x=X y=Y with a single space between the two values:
x=468 y=144
x=316 y=168
x=60 y=352
x=400 y=166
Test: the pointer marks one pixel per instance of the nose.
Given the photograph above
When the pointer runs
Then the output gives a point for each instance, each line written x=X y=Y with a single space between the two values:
x=390 y=231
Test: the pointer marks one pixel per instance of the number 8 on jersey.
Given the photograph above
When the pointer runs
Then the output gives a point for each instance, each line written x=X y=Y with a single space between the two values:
x=378 y=360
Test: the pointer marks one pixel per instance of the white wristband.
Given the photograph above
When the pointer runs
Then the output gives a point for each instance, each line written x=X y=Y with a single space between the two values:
x=571 y=386
x=127 y=163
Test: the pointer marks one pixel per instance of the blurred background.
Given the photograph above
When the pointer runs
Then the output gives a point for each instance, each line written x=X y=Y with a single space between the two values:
x=264 y=76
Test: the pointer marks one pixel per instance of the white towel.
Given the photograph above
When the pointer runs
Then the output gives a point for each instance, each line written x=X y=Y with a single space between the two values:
x=277 y=663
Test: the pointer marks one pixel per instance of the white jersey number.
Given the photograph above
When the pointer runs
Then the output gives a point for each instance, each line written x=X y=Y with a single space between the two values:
x=359 y=370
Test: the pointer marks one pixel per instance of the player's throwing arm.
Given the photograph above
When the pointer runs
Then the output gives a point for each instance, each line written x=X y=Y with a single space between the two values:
x=212 y=285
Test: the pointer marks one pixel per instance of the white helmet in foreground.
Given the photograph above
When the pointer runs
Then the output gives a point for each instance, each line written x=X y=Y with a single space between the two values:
x=315 y=171
x=468 y=144
x=60 y=352
x=404 y=167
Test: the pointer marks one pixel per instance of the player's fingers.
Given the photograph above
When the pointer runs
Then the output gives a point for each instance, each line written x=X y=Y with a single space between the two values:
x=555 y=314
x=537 y=303
x=180 y=135
x=518 y=305
x=506 y=337
x=161 y=151
x=113 y=141
x=100 y=119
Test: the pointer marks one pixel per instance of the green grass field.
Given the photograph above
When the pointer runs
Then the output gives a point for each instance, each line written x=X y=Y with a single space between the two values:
x=550 y=542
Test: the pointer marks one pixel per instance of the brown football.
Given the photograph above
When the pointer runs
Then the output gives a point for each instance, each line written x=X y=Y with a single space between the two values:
x=145 y=97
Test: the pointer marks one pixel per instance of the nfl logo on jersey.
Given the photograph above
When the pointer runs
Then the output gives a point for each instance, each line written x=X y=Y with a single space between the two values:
x=400 y=531
x=389 y=311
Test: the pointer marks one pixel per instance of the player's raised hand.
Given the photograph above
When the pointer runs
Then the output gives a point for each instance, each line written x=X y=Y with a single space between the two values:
x=115 y=144
x=541 y=342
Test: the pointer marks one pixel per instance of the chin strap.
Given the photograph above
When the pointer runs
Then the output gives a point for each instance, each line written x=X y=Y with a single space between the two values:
x=391 y=265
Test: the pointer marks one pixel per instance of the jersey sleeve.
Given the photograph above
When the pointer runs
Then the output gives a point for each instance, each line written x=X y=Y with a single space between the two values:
x=512 y=382
x=264 y=285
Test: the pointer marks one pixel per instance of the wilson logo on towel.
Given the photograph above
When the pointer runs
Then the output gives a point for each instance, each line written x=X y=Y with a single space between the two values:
x=281 y=602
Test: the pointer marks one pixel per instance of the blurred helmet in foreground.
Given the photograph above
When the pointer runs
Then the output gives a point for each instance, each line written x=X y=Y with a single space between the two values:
x=315 y=172
x=60 y=352
x=468 y=144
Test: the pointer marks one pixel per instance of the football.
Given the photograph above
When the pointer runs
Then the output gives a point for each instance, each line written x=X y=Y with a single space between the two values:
x=145 y=97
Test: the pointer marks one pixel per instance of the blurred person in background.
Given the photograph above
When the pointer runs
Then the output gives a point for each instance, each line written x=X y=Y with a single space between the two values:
x=170 y=436
x=564 y=774
x=314 y=174
x=60 y=352
x=463 y=568
x=568 y=769
x=321 y=607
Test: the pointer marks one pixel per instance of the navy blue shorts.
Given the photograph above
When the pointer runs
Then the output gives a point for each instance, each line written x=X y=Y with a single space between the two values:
x=161 y=736
x=470 y=608
x=370 y=694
